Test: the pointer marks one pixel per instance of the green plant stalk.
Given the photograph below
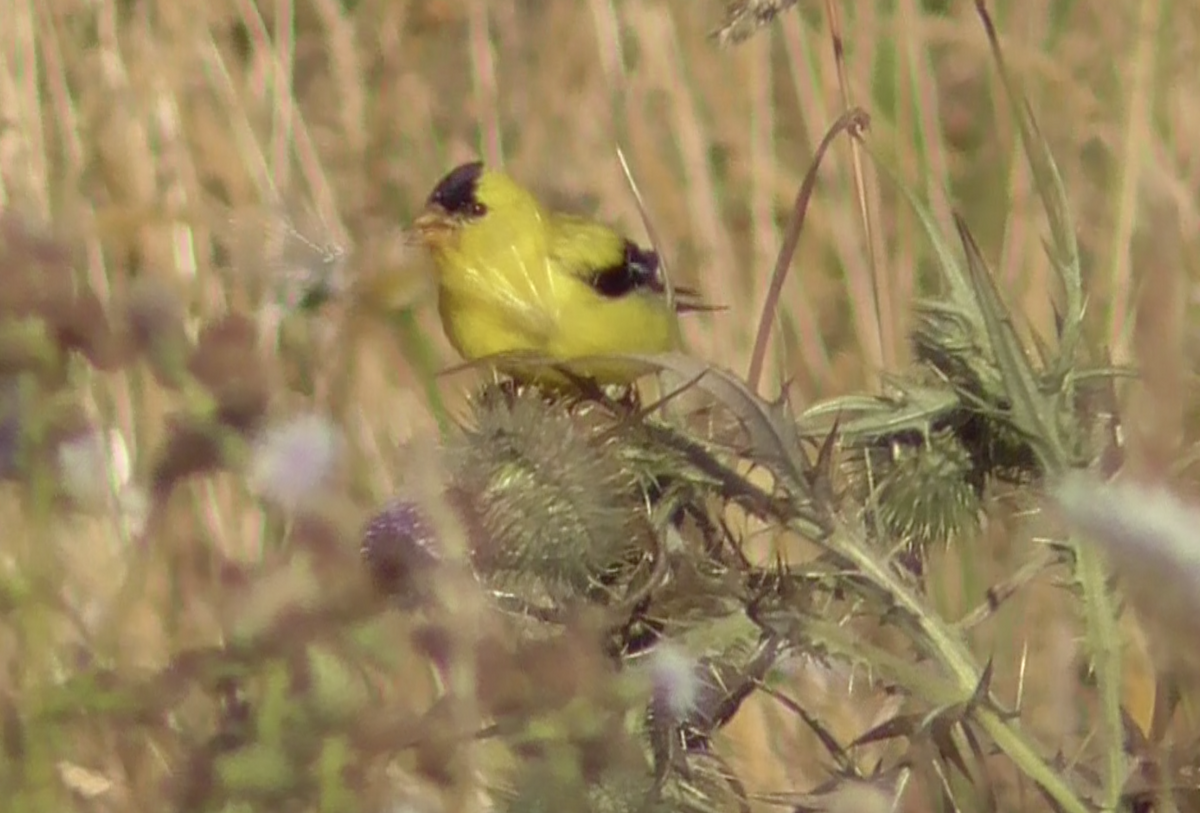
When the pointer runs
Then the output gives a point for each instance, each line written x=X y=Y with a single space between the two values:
x=948 y=648
x=334 y=758
x=1036 y=413
x=1105 y=644
x=1099 y=611
x=1099 y=614
x=419 y=352
x=838 y=640
x=973 y=290
x=35 y=780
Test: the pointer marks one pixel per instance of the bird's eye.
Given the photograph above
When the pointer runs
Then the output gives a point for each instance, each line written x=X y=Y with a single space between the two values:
x=456 y=192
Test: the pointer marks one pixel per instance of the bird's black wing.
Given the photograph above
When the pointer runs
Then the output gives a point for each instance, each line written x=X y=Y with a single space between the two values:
x=640 y=270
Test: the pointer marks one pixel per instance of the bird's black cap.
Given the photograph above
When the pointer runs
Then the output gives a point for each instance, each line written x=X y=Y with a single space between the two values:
x=456 y=192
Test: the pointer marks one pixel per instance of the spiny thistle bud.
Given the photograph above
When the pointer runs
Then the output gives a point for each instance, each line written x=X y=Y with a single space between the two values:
x=400 y=548
x=927 y=495
x=946 y=339
x=545 y=484
x=999 y=450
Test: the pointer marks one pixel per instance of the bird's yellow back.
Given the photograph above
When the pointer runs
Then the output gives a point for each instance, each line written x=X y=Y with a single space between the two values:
x=609 y=320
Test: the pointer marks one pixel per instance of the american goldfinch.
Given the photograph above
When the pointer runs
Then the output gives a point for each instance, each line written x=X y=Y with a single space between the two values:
x=514 y=278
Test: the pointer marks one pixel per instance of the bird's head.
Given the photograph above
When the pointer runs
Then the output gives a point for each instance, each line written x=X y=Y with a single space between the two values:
x=464 y=198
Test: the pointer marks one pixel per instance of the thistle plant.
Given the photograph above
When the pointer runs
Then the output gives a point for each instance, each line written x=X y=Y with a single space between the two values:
x=864 y=477
x=560 y=600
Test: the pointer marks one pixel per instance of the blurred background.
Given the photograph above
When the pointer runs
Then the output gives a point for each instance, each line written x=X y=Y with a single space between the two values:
x=146 y=124
x=236 y=151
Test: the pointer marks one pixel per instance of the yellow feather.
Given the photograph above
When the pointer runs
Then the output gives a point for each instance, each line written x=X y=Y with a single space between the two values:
x=514 y=278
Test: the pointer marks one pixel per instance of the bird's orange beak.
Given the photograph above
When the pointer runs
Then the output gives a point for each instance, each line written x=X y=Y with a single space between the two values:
x=433 y=226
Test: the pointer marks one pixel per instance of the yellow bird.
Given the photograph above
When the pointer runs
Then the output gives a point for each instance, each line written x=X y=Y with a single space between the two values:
x=514 y=278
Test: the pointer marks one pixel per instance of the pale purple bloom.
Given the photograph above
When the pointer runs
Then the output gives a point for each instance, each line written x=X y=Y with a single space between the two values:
x=294 y=461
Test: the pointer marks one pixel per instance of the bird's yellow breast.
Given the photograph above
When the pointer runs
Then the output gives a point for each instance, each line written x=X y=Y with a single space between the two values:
x=496 y=292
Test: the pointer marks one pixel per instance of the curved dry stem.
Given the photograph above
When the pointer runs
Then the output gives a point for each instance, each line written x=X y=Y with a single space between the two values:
x=854 y=121
x=644 y=213
x=873 y=248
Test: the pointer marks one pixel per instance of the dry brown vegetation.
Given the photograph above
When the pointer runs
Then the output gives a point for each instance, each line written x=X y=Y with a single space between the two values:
x=218 y=361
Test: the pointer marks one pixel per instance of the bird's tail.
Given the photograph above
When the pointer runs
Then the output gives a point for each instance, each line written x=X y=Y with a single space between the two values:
x=687 y=300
